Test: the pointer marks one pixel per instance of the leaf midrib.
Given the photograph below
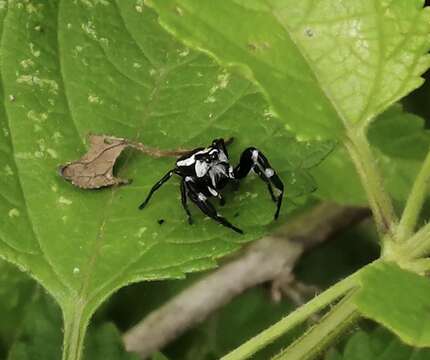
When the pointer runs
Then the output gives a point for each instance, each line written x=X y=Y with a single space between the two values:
x=162 y=72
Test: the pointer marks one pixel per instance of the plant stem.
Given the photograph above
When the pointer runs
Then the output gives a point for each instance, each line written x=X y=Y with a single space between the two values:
x=415 y=202
x=295 y=318
x=371 y=179
x=342 y=316
x=75 y=326
x=420 y=266
x=418 y=245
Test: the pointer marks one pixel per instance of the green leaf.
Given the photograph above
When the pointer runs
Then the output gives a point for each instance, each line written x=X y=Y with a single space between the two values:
x=344 y=254
x=338 y=180
x=16 y=290
x=401 y=135
x=40 y=336
x=71 y=68
x=397 y=299
x=323 y=65
x=105 y=343
x=40 y=333
x=379 y=344
x=400 y=143
x=159 y=356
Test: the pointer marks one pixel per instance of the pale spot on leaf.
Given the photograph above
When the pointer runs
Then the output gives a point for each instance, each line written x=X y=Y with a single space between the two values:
x=184 y=52
x=64 y=201
x=26 y=63
x=50 y=85
x=141 y=232
x=89 y=29
x=13 y=213
x=94 y=99
x=35 y=52
x=52 y=153
x=8 y=171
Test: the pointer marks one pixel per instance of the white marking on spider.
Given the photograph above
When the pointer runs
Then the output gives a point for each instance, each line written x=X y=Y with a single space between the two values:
x=230 y=172
x=216 y=172
x=213 y=177
x=202 y=197
x=213 y=191
x=192 y=159
x=269 y=172
x=254 y=156
x=201 y=168
x=186 y=162
x=189 y=179
x=222 y=157
x=277 y=191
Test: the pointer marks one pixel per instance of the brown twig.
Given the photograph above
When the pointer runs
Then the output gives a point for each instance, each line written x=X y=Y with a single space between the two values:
x=264 y=260
x=155 y=152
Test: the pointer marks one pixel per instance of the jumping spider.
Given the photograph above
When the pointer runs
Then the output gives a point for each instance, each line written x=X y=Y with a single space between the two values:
x=206 y=171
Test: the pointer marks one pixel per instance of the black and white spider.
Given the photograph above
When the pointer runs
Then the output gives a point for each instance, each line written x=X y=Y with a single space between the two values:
x=206 y=171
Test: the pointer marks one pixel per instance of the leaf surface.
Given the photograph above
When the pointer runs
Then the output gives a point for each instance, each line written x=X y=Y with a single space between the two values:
x=401 y=135
x=159 y=356
x=322 y=64
x=40 y=336
x=15 y=290
x=74 y=68
x=397 y=299
x=400 y=143
x=379 y=344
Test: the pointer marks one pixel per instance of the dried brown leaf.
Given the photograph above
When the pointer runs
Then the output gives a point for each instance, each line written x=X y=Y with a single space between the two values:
x=95 y=169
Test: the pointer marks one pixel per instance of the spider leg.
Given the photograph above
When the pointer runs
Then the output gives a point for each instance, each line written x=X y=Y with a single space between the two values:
x=222 y=144
x=267 y=181
x=208 y=209
x=157 y=185
x=229 y=141
x=253 y=159
x=184 y=191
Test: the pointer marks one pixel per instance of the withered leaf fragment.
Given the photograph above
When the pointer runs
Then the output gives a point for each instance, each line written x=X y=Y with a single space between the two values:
x=94 y=170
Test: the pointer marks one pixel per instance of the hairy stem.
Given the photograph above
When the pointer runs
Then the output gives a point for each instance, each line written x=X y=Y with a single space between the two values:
x=418 y=246
x=341 y=317
x=371 y=179
x=419 y=266
x=295 y=318
x=75 y=325
x=415 y=202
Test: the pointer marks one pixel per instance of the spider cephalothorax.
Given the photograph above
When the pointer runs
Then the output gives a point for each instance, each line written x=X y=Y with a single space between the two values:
x=206 y=171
